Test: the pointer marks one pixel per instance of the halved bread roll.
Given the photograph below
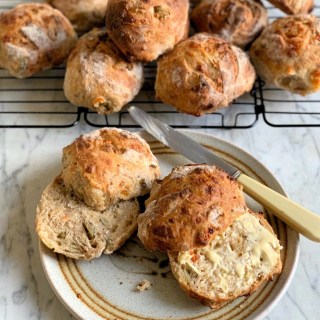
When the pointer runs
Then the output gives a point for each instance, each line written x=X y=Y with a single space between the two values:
x=68 y=226
x=233 y=264
x=189 y=207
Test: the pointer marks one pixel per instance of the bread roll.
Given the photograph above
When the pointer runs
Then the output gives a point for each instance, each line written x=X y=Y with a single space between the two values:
x=83 y=14
x=287 y=54
x=68 y=226
x=99 y=76
x=34 y=37
x=202 y=74
x=236 y=21
x=108 y=165
x=144 y=30
x=189 y=208
x=293 y=6
x=237 y=262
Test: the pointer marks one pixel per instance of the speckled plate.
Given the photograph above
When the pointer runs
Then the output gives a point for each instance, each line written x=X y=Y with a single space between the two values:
x=105 y=288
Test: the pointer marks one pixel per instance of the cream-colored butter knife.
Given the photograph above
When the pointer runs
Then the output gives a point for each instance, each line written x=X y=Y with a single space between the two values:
x=300 y=219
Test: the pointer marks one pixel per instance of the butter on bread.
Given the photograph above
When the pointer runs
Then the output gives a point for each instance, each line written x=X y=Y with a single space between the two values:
x=233 y=264
x=189 y=207
x=108 y=165
x=69 y=227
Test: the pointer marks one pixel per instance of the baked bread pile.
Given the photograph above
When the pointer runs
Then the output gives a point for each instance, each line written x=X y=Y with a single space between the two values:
x=92 y=206
x=197 y=74
x=218 y=249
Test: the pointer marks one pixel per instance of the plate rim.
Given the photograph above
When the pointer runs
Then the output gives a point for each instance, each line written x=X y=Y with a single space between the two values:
x=261 y=314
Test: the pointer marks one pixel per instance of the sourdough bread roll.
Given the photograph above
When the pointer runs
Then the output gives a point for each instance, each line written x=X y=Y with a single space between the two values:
x=108 y=165
x=144 y=30
x=287 y=54
x=202 y=74
x=98 y=75
x=69 y=227
x=293 y=6
x=236 y=21
x=34 y=37
x=83 y=14
x=237 y=262
x=189 y=207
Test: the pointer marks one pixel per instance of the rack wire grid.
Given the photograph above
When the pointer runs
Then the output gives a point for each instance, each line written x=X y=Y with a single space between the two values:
x=39 y=102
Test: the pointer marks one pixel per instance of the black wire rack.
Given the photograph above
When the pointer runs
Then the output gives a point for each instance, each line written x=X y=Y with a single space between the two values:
x=39 y=102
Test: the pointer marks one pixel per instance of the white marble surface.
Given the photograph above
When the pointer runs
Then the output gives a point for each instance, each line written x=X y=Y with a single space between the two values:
x=30 y=158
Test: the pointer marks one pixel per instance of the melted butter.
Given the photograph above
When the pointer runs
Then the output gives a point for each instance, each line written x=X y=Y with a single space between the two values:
x=184 y=258
x=265 y=245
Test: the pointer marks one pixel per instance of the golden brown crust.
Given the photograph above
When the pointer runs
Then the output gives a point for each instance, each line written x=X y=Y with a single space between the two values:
x=287 y=53
x=108 y=165
x=236 y=21
x=83 y=14
x=202 y=74
x=144 y=30
x=189 y=208
x=99 y=76
x=293 y=6
x=34 y=37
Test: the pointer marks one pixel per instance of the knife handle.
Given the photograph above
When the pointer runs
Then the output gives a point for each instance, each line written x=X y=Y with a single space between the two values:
x=298 y=218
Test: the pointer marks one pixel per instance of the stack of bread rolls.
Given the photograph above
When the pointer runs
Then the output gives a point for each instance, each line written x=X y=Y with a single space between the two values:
x=197 y=74
x=218 y=249
x=92 y=206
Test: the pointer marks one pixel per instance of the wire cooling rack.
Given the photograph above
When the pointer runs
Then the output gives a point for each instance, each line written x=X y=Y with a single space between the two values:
x=39 y=102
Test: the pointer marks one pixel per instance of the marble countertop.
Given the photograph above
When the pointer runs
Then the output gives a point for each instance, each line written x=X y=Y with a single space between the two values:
x=31 y=157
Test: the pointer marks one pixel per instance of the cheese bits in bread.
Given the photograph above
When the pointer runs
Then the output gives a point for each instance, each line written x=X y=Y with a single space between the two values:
x=83 y=14
x=91 y=207
x=108 y=165
x=202 y=74
x=287 y=54
x=236 y=263
x=144 y=30
x=218 y=249
x=34 y=37
x=236 y=21
x=99 y=76
x=189 y=208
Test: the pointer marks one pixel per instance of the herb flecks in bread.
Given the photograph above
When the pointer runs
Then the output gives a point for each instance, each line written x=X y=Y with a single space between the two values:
x=235 y=263
x=69 y=227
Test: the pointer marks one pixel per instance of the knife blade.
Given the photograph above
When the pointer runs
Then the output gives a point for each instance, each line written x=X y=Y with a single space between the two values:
x=299 y=218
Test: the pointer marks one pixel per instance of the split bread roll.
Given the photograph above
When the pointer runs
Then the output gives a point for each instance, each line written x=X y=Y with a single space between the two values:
x=293 y=6
x=108 y=165
x=34 y=37
x=202 y=74
x=144 y=30
x=235 y=263
x=69 y=227
x=236 y=21
x=189 y=208
x=83 y=14
x=99 y=76
x=287 y=54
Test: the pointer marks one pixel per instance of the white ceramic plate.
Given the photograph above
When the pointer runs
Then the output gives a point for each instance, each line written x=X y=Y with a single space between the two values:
x=105 y=288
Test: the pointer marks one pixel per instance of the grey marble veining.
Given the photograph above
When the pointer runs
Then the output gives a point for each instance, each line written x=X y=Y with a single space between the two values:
x=29 y=159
